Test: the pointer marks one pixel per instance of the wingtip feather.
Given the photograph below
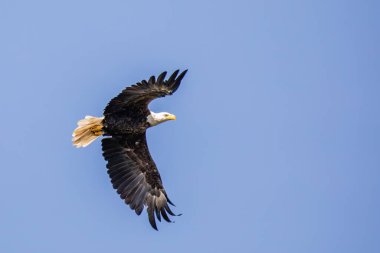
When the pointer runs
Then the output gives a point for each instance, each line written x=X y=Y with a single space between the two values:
x=161 y=77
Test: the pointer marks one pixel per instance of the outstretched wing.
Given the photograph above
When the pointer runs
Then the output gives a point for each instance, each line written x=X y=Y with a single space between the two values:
x=135 y=176
x=142 y=93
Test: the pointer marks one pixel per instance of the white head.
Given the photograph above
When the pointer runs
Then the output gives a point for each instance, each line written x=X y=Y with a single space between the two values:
x=157 y=118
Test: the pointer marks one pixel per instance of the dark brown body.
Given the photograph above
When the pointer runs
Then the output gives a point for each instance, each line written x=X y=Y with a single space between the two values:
x=130 y=166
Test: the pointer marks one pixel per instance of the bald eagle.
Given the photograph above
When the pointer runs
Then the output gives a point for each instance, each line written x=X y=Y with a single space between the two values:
x=132 y=171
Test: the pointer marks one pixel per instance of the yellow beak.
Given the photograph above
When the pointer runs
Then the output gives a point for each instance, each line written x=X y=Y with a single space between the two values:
x=171 y=117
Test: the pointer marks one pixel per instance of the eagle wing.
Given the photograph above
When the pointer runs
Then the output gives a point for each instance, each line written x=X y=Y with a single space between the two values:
x=141 y=94
x=135 y=176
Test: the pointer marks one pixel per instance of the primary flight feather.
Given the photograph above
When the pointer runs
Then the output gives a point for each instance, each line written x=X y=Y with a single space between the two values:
x=130 y=166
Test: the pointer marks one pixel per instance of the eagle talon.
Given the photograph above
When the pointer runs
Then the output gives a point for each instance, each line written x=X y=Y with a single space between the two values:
x=98 y=133
x=97 y=130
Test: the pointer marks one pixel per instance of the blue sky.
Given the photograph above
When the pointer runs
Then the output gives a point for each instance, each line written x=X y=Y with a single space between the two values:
x=276 y=143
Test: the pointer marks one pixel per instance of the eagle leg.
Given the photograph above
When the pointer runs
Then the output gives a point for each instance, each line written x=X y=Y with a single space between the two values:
x=97 y=130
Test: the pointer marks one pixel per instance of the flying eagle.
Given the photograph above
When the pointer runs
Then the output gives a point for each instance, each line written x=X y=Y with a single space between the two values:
x=130 y=166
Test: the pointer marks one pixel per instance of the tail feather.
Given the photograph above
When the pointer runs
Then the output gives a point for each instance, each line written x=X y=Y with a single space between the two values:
x=87 y=131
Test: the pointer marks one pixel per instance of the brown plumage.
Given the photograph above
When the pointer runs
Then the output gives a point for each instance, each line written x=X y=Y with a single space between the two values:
x=130 y=166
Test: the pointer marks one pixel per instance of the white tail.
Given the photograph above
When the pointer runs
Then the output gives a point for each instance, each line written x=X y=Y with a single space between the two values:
x=87 y=131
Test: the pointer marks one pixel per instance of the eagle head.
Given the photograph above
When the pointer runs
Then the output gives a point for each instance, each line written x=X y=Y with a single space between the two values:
x=157 y=118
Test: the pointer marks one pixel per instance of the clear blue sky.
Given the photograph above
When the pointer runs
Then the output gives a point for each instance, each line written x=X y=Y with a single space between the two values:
x=276 y=147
